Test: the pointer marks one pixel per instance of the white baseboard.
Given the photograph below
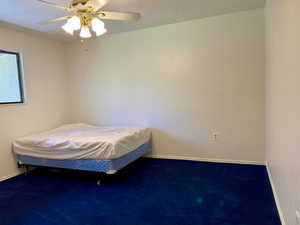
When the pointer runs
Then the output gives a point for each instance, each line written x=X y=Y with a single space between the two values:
x=275 y=196
x=10 y=176
x=206 y=159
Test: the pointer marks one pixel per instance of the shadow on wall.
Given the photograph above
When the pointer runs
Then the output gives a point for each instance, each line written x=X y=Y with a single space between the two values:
x=165 y=144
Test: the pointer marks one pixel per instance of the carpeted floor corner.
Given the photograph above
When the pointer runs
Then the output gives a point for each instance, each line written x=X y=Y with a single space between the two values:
x=148 y=192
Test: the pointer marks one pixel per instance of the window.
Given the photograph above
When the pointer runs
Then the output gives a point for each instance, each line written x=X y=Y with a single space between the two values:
x=11 y=83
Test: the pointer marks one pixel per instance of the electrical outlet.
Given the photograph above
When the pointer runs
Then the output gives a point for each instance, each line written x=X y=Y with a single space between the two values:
x=215 y=136
x=297 y=218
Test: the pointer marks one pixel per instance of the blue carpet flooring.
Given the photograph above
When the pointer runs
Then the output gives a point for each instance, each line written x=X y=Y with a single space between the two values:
x=148 y=192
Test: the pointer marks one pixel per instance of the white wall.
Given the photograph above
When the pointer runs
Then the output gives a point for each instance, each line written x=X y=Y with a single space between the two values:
x=283 y=109
x=184 y=80
x=45 y=79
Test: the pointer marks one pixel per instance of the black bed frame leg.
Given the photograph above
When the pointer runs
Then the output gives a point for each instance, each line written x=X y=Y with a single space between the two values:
x=26 y=169
x=100 y=179
x=19 y=164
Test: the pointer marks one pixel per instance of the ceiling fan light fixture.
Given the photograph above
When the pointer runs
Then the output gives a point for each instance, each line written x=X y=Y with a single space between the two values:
x=85 y=32
x=86 y=17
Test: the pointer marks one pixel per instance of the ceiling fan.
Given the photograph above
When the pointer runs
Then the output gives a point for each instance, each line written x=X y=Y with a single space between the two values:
x=87 y=16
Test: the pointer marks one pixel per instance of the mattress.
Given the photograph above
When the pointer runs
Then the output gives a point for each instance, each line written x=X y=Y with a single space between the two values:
x=82 y=141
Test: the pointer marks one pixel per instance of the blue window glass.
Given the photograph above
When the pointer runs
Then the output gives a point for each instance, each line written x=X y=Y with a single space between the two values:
x=11 y=83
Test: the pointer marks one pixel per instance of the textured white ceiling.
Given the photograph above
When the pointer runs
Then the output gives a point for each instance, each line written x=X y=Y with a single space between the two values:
x=28 y=13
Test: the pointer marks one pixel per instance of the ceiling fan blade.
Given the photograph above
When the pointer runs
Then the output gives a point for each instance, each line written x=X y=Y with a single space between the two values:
x=108 y=15
x=55 y=5
x=98 y=5
x=56 y=20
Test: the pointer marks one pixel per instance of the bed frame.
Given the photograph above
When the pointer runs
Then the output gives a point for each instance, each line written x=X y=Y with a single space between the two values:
x=106 y=166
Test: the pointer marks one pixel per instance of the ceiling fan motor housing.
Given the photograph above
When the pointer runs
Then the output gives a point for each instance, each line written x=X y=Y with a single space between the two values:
x=84 y=4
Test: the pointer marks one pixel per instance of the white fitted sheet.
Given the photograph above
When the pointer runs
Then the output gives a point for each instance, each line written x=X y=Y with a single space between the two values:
x=82 y=141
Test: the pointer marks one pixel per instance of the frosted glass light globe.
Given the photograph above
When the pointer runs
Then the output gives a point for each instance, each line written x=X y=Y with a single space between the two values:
x=98 y=26
x=68 y=28
x=101 y=32
x=72 y=24
x=75 y=22
x=85 y=32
